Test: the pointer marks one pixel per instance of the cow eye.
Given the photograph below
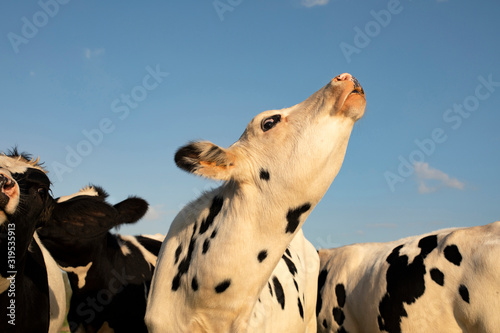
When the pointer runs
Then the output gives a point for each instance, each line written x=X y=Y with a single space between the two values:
x=43 y=192
x=270 y=122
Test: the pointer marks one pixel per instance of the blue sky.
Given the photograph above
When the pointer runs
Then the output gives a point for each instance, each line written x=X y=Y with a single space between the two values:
x=105 y=92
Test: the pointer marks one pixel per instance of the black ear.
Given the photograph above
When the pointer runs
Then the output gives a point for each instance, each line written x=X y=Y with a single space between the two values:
x=85 y=216
x=131 y=210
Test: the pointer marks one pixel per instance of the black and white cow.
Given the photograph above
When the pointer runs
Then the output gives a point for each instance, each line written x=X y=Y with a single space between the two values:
x=32 y=294
x=109 y=274
x=444 y=281
x=218 y=262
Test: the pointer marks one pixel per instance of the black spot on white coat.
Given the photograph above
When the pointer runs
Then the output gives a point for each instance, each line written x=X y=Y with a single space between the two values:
x=293 y=217
x=178 y=252
x=221 y=287
x=194 y=284
x=301 y=310
x=206 y=246
x=464 y=293
x=405 y=283
x=214 y=233
x=262 y=255
x=341 y=294
x=291 y=266
x=452 y=254
x=215 y=209
x=184 y=264
x=437 y=276
x=338 y=315
x=321 y=284
x=278 y=289
x=264 y=175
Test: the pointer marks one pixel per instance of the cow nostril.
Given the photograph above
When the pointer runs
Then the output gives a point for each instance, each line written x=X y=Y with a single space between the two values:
x=344 y=77
x=8 y=185
x=5 y=183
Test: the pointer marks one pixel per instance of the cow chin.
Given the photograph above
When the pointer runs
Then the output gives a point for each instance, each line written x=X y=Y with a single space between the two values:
x=10 y=207
x=354 y=106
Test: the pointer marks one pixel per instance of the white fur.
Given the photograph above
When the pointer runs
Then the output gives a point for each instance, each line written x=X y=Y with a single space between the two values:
x=80 y=271
x=148 y=256
x=362 y=269
x=18 y=164
x=89 y=190
x=57 y=290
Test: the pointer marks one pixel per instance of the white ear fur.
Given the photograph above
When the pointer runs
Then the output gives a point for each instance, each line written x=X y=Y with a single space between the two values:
x=206 y=159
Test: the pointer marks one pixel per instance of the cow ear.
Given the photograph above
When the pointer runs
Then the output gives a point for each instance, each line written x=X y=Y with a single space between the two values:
x=85 y=216
x=131 y=210
x=206 y=159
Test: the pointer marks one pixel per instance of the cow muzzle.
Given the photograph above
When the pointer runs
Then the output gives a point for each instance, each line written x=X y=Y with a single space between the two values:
x=9 y=195
x=357 y=89
x=348 y=95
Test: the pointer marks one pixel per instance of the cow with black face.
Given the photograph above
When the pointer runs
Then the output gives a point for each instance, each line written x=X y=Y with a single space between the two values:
x=109 y=273
x=31 y=285
x=222 y=250
x=444 y=281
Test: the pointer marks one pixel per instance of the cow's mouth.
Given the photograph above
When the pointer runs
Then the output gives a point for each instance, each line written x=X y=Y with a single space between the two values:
x=7 y=189
x=357 y=87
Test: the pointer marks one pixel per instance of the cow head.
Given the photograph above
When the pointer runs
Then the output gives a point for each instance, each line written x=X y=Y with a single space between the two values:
x=25 y=200
x=80 y=224
x=303 y=145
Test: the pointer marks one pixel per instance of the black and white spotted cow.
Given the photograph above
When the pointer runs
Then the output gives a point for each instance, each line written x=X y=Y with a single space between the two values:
x=444 y=281
x=218 y=268
x=32 y=294
x=109 y=273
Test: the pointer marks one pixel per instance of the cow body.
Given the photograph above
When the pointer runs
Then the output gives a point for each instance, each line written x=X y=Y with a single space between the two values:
x=31 y=287
x=444 y=281
x=109 y=273
x=287 y=302
x=222 y=249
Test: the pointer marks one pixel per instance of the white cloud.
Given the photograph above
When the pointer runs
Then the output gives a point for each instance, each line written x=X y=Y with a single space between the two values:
x=89 y=54
x=312 y=3
x=430 y=180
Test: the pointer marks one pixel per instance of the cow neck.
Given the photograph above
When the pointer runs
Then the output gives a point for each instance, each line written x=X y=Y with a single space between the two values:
x=244 y=234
